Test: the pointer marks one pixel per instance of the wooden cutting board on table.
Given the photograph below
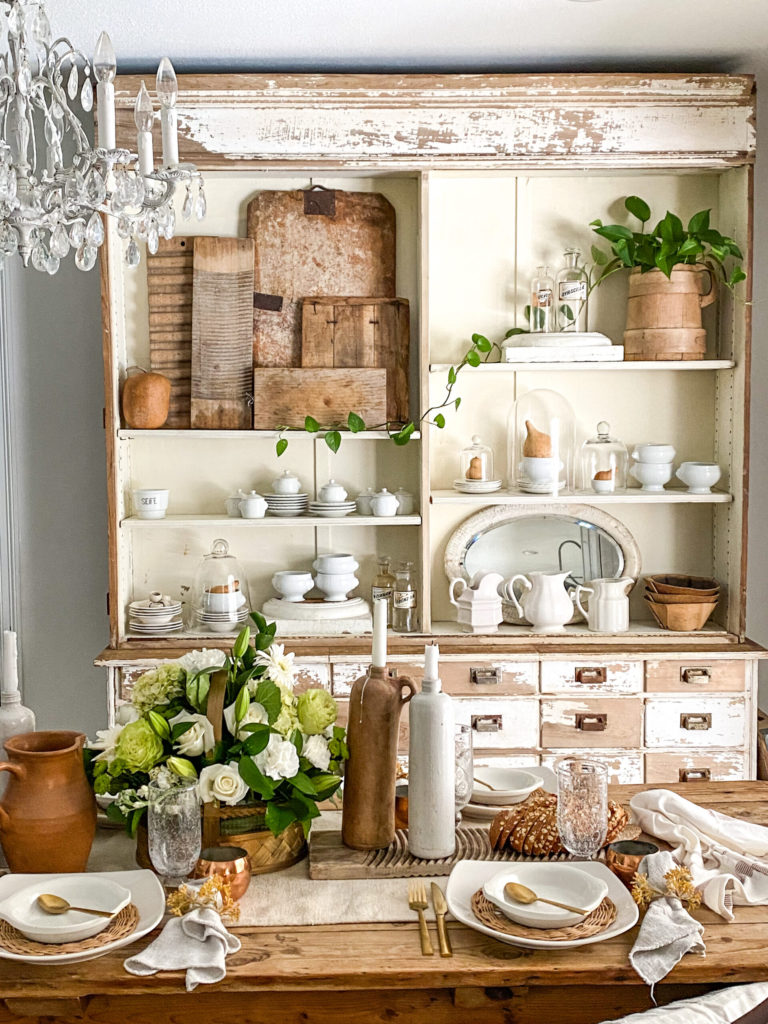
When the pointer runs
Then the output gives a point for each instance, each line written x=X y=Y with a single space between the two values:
x=169 y=295
x=314 y=242
x=361 y=332
x=222 y=333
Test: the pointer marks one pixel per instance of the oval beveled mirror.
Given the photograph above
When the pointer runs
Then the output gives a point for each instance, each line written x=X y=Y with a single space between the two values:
x=579 y=539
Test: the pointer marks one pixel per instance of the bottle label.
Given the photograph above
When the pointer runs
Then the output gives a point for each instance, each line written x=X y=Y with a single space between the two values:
x=573 y=291
x=543 y=298
x=379 y=593
x=404 y=599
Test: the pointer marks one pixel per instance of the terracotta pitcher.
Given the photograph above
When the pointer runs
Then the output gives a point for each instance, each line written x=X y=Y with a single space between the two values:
x=48 y=813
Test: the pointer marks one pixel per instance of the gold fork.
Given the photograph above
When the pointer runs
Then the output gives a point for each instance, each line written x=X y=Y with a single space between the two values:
x=417 y=900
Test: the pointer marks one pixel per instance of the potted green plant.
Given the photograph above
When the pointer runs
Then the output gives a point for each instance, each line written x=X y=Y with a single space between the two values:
x=674 y=271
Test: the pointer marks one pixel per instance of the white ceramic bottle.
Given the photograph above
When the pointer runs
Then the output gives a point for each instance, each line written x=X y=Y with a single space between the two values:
x=431 y=767
x=14 y=717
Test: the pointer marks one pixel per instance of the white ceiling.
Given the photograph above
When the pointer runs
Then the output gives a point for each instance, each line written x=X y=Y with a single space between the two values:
x=423 y=34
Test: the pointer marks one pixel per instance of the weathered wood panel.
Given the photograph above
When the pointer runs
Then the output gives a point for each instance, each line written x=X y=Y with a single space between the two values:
x=283 y=397
x=591 y=677
x=592 y=722
x=695 y=675
x=706 y=722
x=169 y=298
x=694 y=766
x=625 y=767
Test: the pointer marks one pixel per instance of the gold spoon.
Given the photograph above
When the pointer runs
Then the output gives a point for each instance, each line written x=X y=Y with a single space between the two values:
x=58 y=905
x=483 y=783
x=522 y=894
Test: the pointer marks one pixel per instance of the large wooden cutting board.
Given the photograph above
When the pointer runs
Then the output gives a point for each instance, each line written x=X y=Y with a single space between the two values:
x=222 y=343
x=284 y=396
x=361 y=332
x=169 y=294
x=350 y=251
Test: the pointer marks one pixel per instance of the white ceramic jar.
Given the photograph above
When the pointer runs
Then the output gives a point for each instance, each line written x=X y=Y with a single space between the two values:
x=335 y=586
x=286 y=484
x=384 y=503
x=406 y=502
x=150 y=503
x=253 y=506
x=332 y=492
x=699 y=477
x=363 y=502
x=232 y=504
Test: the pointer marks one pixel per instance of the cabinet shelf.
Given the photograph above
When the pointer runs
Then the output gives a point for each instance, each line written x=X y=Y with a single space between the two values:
x=169 y=522
x=631 y=497
x=578 y=633
x=261 y=435
x=665 y=364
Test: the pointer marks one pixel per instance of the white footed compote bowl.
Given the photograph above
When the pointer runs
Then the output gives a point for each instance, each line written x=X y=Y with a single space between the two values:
x=292 y=586
x=652 y=475
x=699 y=477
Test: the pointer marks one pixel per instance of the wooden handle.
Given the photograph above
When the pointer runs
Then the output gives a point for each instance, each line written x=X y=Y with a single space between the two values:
x=442 y=936
x=426 y=942
x=563 y=906
x=709 y=297
x=14 y=769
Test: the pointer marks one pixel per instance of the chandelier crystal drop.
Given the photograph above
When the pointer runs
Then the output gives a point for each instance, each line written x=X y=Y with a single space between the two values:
x=54 y=186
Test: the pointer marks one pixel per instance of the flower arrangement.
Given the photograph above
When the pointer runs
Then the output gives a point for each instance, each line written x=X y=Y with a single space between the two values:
x=679 y=885
x=277 y=748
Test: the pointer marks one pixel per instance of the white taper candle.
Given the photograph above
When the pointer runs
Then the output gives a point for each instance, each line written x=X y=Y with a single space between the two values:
x=379 y=657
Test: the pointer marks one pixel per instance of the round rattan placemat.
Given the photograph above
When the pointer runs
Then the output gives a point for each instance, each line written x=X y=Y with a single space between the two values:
x=118 y=928
x=490 y=915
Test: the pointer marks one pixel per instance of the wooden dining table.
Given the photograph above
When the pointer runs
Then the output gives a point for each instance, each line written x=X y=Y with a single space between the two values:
x=365 y=973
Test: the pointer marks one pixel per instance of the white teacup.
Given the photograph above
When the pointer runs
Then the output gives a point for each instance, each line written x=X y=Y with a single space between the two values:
x=654 y=453
x=652 y=475
x=292 y=585
x=150 y=503
x=223 y=602
x=699 y=476
x=540 y=471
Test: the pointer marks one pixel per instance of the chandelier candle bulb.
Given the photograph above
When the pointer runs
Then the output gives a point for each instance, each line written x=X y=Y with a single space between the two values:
x=431 y=767
x=167 y=91
x=379 y=656
x=104 y=67
x=143 y=113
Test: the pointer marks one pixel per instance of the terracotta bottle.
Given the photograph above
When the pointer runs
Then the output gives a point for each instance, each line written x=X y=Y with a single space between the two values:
x=48 y=813
x=375 y=704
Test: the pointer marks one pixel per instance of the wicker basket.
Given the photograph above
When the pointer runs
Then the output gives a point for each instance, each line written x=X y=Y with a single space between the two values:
x=243 y=825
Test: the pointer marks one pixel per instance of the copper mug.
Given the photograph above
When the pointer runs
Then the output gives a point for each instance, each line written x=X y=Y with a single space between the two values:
x=624 y=857
x=231 y=863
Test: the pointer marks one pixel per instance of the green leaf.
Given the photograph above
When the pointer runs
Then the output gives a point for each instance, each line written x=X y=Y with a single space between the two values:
x=567 y=312
x=355 y=423
x=241 y=704
x=279 y=817
x=452 y=376
x=304 y=784
x=259 y=621
x=671 y=228
x=115 y=814
x=527 y=313
x=439 y=420
x=240 y=646
x=690 y=247
x=638 y=208
x=258 y=782
x=268 y=695
x=737 y=274
x=699 y=222
x=403 y=436
x=159 y=724
x=297 y=740
x=281 y=446
x=135 y=819
x=311 y=425
x=333 y=440
x=613 y=232
x=481 y=343
x=457 y=403
x=326 y=785
x=197 y=689
x=179 y=729
x=515 y=330
x=258 y=740
x=622 y=250
x=599 y=257
x=473 y=358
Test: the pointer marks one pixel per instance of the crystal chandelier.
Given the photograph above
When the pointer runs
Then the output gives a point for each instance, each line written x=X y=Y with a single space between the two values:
x=53 y=185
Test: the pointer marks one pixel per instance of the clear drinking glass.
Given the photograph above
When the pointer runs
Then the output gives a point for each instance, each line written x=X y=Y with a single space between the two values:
x=582 y=806
x=464 y=761
x=174 y=830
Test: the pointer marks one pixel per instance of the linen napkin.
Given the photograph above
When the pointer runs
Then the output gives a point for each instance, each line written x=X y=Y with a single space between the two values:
x=727 y=857
x=668 y=931
x=197 y=943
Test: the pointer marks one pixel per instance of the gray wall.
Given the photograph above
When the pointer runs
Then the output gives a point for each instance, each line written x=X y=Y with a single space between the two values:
x=55 y=328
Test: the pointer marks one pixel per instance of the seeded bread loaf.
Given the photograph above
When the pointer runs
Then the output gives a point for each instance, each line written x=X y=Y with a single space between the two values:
x=531 y=826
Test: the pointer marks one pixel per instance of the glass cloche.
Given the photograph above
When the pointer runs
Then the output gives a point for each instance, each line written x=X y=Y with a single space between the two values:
x=541 y=443
x=604 y=461
x=476 y=473
x=219 y=601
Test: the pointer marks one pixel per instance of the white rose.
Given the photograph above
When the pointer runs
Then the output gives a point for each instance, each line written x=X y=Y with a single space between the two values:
x=255 y=714
x=126 y=714
x=197 y=740
x=316 y=751
x=198 y=661
x=106 y=740
x=222 y=782
x=278 y=760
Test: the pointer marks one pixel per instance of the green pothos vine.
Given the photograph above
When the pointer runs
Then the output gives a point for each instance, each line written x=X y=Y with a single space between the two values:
x=479 y=352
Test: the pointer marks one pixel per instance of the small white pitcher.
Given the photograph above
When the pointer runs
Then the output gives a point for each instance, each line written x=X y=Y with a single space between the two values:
x=545 y=602
x=478 y=604
x=608 y=610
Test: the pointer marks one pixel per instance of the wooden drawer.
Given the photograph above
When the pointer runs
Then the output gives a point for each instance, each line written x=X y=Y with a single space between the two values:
x=701 y=721
x=592 y=722
x=501 y=724
x=591 y=676
x=625 y=767
x=695 y=766
x=311 y=674
x=343 y=674
x=695 y=675
x=460 y=678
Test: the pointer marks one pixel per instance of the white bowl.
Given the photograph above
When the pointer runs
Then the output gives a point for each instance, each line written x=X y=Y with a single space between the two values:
x=651 y=453
x=336 y=586
x=565 y=883
x=335 y=564
x=224 y=602
x=699 y=476
x=82 y=890
x=652 y=475
x=603 y=486
x=510 y=785
x=292 y=586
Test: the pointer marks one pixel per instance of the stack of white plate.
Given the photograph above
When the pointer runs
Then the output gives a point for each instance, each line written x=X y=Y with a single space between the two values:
x=331 y=509
x=154 y=619
x=476 y=486
x=223 y=622
x=510 y=786
x=286 y=504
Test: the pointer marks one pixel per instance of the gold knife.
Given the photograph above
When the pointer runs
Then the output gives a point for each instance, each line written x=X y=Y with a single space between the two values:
x=441 y=909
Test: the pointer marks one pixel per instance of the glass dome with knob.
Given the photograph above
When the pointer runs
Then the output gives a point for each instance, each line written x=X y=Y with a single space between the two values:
x=220 y=601
x=476 y=472
x=604 y=461
x=541 y=443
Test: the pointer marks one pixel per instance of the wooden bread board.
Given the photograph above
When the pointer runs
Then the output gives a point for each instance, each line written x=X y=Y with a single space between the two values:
x=169 y=297
x=284 y=396
x=346 y=332
x=222 y=345
x=300 y=250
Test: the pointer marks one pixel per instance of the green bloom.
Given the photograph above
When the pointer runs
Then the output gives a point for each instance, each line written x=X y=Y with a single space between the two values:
x=139 y=747
x=159 y=686
x=316 y=710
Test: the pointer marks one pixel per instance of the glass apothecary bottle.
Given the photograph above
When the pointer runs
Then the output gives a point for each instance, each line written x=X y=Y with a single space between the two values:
x=384 y=586
x=405 y=600
x=476 y=462
x=571 y=293
x=604 y=461
x=219 y=602
x=542 y=318
x=541 y=443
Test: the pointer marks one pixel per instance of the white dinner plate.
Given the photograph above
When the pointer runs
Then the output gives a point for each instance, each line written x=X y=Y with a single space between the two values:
x=477 y=486
x=147 y=895
x=470 y=875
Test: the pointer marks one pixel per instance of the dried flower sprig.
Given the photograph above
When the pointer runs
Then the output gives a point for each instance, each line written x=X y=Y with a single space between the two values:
x=679 y=885
x=214 y=893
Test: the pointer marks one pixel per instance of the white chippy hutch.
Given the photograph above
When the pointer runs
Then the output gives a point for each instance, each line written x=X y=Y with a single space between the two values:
x=489 y=176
